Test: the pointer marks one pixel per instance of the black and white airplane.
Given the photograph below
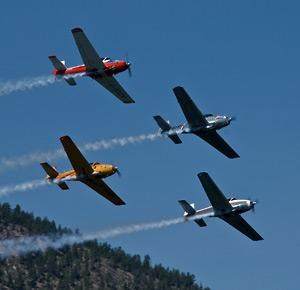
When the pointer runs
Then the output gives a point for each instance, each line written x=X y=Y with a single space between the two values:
x=228 y=210
x=204 y=126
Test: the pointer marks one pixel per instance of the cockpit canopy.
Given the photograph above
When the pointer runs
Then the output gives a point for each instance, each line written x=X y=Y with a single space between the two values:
x=208 y=115
x=231 y=198
x=94 y=163
x=106 y=59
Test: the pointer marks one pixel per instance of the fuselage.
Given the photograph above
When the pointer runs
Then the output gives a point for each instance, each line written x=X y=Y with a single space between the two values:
x=111 y=68
x=215 y=122
x=100 y=170
x=238 y=206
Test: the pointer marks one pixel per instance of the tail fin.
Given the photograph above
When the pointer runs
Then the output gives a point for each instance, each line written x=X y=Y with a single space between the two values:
x=165 y=126
x=51 y=171
x=189 y=210
x=59 y=65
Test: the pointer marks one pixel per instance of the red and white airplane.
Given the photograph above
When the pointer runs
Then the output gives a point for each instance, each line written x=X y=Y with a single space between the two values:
x=99 y=69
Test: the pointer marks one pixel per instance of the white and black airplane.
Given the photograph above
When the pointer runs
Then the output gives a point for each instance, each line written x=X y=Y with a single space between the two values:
x=204 y=126
x=228 y=210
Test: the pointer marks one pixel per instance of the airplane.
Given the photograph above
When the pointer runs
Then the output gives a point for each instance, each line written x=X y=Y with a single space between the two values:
x=204 y=126
x=228 y=210
x=91 y=174
x=99 y=69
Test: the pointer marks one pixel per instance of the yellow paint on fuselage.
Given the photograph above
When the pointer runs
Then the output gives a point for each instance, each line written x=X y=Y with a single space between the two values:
x=102 y=170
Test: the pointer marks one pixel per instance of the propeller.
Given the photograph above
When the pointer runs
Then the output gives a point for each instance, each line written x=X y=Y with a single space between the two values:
x=128 y=65
x=253 y=203
x=129 y=69
x=116 y=169
x=119 y=173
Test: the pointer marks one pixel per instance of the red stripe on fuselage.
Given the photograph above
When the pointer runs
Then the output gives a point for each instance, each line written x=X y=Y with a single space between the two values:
x=111 y=68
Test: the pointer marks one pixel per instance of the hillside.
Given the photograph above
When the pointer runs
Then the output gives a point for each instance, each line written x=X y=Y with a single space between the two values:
x=90 y=265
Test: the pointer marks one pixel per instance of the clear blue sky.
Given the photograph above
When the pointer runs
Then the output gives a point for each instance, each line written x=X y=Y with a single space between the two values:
x=233 y=57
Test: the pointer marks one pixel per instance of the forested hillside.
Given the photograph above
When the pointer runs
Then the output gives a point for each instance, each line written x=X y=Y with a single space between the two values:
x=90 y=265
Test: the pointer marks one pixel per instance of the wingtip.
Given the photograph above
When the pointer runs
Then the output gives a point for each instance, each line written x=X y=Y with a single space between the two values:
x=129 y=102
x=180 y=93
x=66 y=137
x=51 y=56
x=202 y=173
x=178 y=88
x=76 y=29
x=234 y=156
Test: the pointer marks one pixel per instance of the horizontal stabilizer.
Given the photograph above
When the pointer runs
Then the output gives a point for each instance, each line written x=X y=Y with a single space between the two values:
x=70 y=81
x=163 y=124
x=189 y=209
x=175 y=139
x=59 y=65
x=51 y=172
x=63 y=186
x=200 y=222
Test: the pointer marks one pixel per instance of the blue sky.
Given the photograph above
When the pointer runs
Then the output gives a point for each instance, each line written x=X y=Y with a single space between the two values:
x=233 y=57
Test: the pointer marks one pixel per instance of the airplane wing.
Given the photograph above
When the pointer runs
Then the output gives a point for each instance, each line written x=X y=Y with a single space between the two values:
x=88 y=53
x=112 y=85
x=102 y=188
x=241 y=225
x=190 y=110
x=215 y=140
x=217 y=199
x=79 y=163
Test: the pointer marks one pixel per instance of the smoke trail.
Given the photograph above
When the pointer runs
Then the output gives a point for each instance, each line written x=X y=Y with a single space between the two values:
x=6 y=190
x=14 y=247
x=25 y=84
x=50 y=156
x=31 y=83
x=99 y=145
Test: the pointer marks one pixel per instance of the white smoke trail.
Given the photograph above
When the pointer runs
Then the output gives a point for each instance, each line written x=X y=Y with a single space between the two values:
x=36 y=157
x=9 y=87
x=30 y=185
x=25 y=84
x=18 y=246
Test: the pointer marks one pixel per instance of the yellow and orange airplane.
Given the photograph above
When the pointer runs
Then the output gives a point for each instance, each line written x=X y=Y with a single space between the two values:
x=90 y=174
